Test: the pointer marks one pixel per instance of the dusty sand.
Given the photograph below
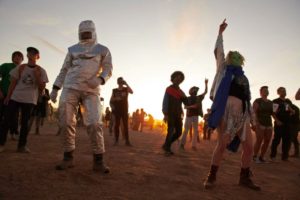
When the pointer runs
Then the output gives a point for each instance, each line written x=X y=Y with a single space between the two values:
x=139 y=172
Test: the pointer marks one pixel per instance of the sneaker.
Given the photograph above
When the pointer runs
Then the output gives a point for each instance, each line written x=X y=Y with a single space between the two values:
x=273 y=159
x=262 y=160
x=23 y=150
x=2 y=148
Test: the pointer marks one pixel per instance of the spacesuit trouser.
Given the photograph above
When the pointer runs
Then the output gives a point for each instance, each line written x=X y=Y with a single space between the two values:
x=190 y=121
x=68 y=104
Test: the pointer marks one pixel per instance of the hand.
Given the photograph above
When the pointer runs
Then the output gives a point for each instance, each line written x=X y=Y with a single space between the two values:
x=165 y=118
x=278 y=123
x=53 y=95
x=209 y=131
x=193 y=106
x=222 y=26
x=94 y=82
x=206 y=81
x=253 y=127
x=6 y=100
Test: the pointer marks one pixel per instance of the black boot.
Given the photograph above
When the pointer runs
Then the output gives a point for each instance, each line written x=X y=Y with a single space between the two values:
x=99 y=164
x=210 y=181
x=246 y=181
x=67 y=161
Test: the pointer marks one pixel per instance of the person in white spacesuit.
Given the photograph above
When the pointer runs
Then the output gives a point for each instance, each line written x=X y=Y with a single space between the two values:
x=87 y=65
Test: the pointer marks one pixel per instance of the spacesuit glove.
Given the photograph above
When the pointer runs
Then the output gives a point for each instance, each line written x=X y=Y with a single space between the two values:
x=94 y=82
x=53 y=95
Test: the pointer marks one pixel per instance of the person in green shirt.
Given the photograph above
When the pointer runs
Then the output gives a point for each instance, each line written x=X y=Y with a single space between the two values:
x=17 y=58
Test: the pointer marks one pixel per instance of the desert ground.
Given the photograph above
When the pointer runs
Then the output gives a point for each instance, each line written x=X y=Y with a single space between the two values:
x=139 y=172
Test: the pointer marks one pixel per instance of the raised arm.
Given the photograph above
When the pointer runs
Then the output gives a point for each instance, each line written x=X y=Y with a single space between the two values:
x=128 y=88
x=220 y=60
x=297 y=96
x=219 y=49
x=205 y=91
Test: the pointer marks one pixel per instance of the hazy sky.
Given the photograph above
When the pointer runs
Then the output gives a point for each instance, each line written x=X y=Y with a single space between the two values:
x=150 y=39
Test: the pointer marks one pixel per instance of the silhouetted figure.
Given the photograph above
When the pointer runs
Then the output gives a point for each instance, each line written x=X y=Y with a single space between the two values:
x=119 y=100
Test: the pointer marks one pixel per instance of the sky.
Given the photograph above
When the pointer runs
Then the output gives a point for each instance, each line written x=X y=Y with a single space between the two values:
x=150 y=39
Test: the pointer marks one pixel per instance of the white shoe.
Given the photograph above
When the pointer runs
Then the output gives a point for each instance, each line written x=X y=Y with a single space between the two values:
x=257 y=161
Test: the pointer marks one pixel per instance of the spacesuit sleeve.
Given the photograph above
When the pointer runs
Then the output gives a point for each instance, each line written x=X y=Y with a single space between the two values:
x=106 y=65
x=63 y=72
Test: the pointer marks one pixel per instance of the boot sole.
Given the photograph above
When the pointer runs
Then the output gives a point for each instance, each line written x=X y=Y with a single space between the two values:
x=256 y=188
x=60 y=168
x=209 y=186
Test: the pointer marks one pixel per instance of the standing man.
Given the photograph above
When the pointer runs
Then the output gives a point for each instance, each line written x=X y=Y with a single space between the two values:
x=263 y=109
x=281 y=128
x=193 y=110
x=87 y=66
x=231 y=111
x=119 y=99
x=172 y=110
x=142 y=116
x=27 y=81
x=17 y=58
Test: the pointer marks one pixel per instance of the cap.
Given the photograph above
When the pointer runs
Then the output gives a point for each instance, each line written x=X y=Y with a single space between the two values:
x=193 y=89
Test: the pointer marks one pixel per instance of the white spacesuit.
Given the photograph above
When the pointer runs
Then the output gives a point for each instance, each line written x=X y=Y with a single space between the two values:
x=87 y=66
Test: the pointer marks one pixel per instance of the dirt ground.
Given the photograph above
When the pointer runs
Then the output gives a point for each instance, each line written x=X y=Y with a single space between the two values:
x=139 y=172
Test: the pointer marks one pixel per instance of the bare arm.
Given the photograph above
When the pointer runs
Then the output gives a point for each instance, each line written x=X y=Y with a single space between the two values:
x=128 y=88
x=37 y=73
x=205 y=91
x=12 y=85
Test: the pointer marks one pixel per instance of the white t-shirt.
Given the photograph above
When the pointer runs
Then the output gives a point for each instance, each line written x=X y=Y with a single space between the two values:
x=26 y=90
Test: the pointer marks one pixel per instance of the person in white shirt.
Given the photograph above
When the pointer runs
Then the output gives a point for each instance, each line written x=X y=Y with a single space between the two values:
x=27 y=80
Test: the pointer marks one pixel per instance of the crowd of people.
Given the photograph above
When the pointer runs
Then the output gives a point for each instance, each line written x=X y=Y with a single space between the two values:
x=88 y=65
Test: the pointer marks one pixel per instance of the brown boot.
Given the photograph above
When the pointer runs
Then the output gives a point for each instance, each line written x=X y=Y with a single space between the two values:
x=67 y=161
x=210 y=181
x=99 y=165
x=246 y=181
